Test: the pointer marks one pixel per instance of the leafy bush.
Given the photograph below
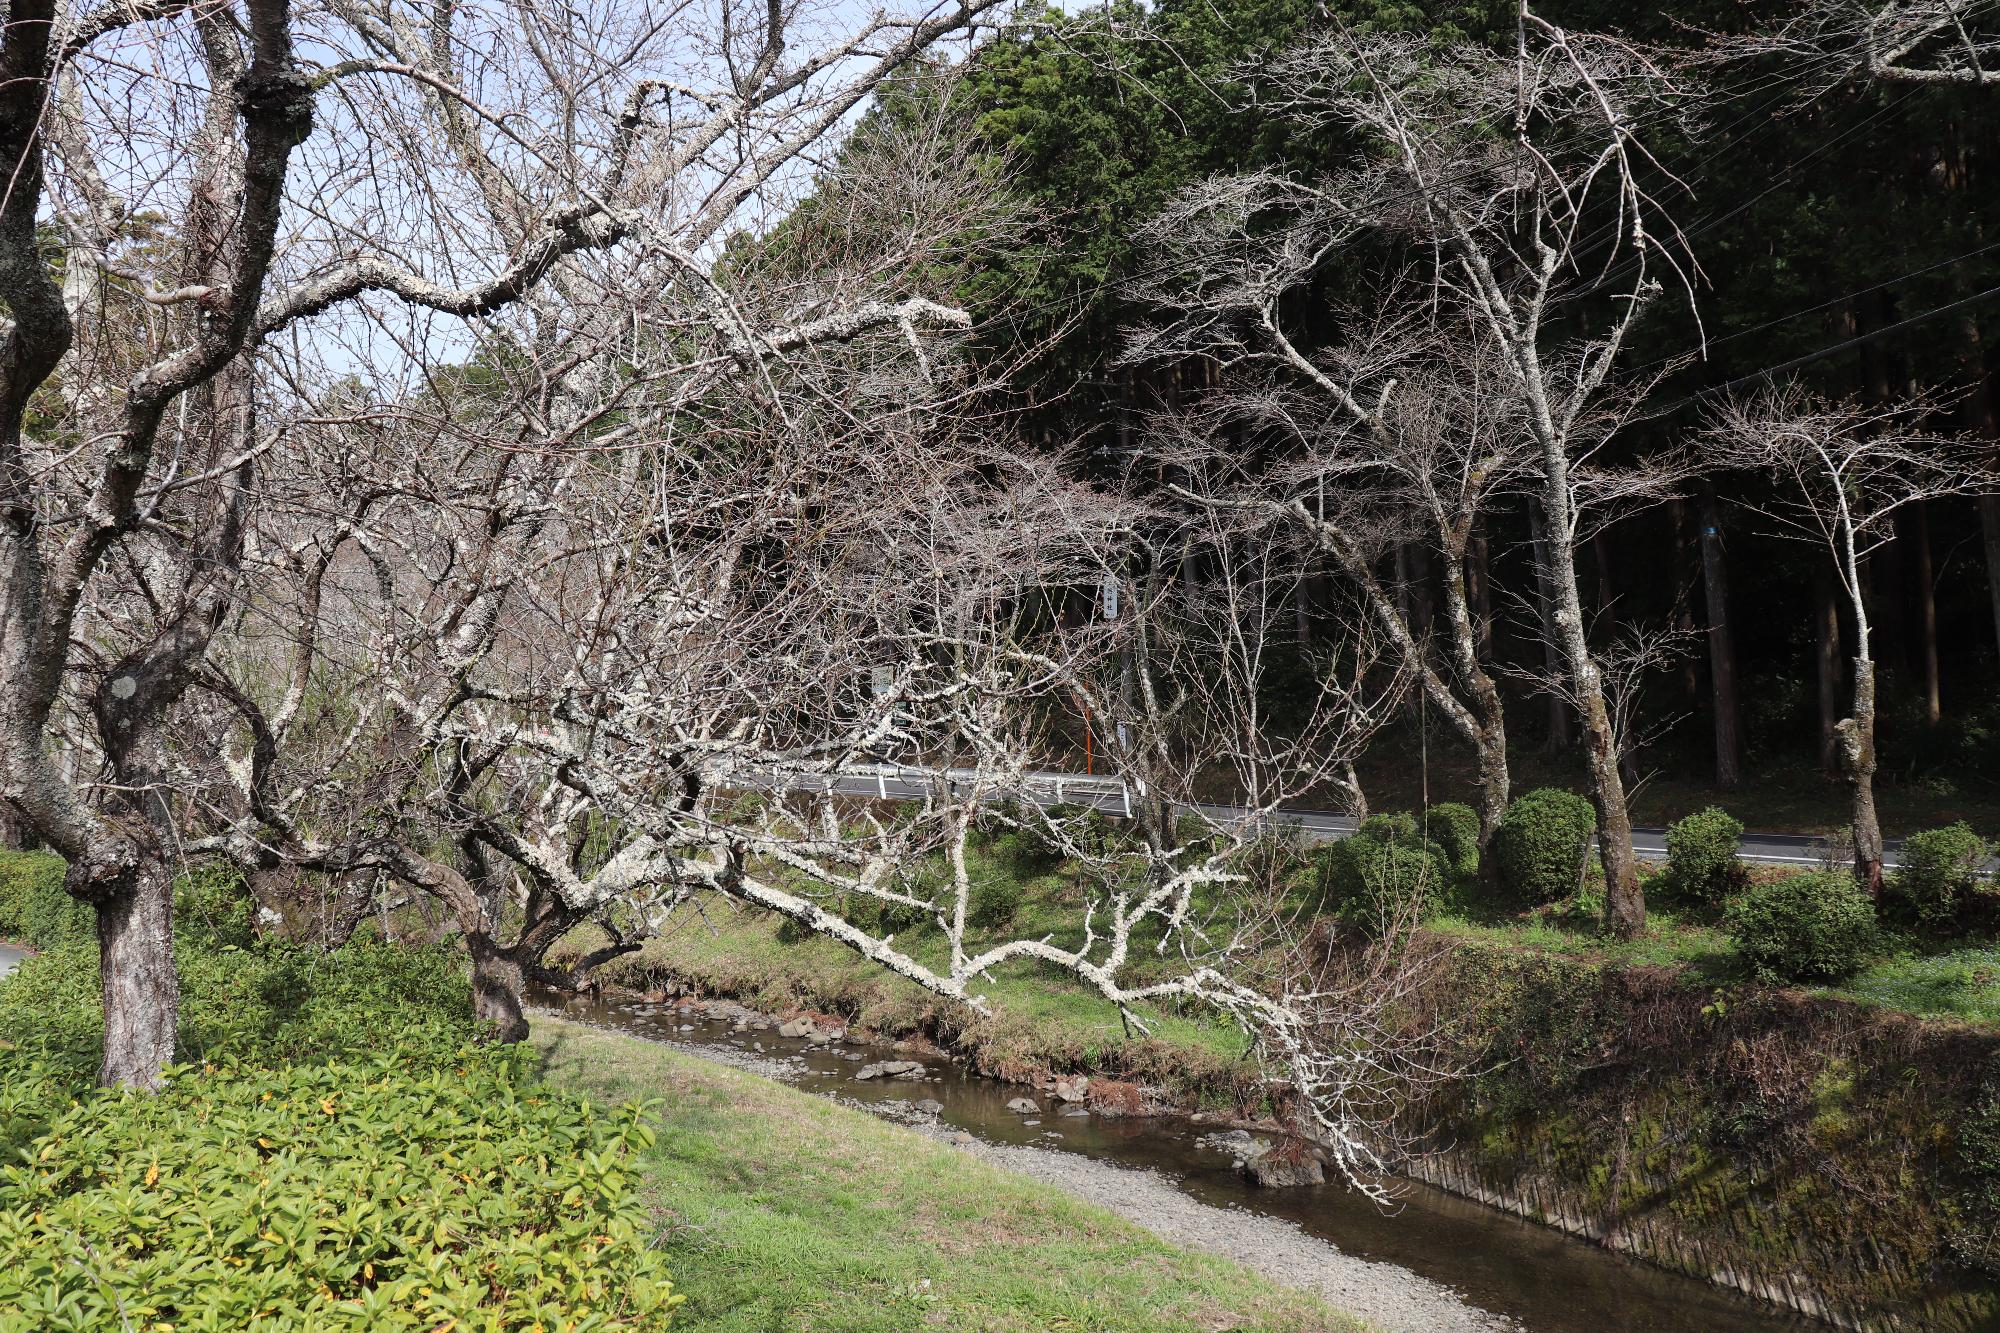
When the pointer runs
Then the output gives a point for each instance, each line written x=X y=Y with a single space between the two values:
x=1815 y=927
x=375 y=1195
x=34 y=907
x=1701 y=857
x=993 y=901
x=1542 y=846
x=1937 y=874
x=337 y=1154
x=1454 y=827
x=1385 y=869
x=268 y=1004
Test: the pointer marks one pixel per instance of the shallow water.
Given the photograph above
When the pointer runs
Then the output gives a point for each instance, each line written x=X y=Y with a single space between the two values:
x=1542 y=1278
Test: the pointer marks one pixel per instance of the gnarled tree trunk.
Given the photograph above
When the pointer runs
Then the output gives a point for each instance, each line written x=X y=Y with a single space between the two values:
x=1857 y=763
x=142 y=993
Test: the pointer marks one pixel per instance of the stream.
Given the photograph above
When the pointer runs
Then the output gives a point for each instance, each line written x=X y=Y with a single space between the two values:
x=1540 y=1279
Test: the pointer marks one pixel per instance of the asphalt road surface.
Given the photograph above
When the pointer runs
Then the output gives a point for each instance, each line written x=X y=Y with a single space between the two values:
x=892 y=782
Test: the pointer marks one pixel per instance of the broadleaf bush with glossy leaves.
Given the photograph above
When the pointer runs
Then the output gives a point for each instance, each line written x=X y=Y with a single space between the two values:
x=339 y=1152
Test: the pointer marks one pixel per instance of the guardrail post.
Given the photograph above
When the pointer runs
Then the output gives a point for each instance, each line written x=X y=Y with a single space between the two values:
x=1125 y=790
x=882 y=783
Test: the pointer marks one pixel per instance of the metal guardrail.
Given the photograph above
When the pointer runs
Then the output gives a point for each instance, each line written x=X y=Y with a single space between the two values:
x=1113 y=795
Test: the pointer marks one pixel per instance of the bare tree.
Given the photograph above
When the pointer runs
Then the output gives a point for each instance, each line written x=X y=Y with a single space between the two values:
x=1523 y=177
x=170 y=213
x=1403 y=431
x=1845 y=471
x=1900 y=41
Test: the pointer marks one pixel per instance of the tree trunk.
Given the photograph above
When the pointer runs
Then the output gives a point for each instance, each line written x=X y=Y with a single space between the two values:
x=1721 y=650
x=16 y=833
x=142 y=994
x=497 y=982
x=1857 y=761
x=1826 y=660
x=1479 y=591
x=1463 y=554
x=1559 y=738
x=1624 y=900
x=1927 y=615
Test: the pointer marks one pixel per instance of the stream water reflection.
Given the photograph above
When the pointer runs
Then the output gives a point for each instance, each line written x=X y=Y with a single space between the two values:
x=1547 y=1281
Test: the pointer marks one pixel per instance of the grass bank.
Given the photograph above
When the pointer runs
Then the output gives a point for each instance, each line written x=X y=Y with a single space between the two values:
x=1041 y=1018
x=780 y=1210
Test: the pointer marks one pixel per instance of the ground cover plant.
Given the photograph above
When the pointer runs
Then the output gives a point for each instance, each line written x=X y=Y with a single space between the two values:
x=338 y=1149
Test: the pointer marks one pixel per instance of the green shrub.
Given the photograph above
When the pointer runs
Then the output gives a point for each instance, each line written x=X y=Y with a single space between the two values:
x=993 y=901
x=1384 y=870
x=1542 y=846
x=265 y=1004
x=1454 y=827
x=1937 y=875
x=1701 y=857
x=1815 y=927
x=374 y=1195
x=34 y=907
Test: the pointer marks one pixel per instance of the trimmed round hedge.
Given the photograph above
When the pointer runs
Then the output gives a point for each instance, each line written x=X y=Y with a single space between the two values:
x=1701 y=856
x=1542 y=847
x=1454 y=827
x=1814 y=927
x=1937 y=875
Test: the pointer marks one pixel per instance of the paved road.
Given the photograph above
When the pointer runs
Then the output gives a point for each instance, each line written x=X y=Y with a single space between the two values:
x=894 y=782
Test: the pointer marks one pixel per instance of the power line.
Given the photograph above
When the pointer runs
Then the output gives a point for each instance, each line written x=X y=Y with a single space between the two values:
x=1848 y=344
x=1828 y=304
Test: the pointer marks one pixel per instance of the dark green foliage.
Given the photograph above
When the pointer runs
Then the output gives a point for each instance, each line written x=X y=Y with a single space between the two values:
x=34 y=908
x=1937 y=875
x=1701 y=857
x=1816 y=927
x=1542 y=847
x=1385 y=872
x=1454 y=827
x=993 y=901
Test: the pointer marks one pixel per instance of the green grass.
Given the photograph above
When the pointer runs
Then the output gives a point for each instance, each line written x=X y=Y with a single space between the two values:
x=783 y=1211
x=1670 y=940
x=1963 y=983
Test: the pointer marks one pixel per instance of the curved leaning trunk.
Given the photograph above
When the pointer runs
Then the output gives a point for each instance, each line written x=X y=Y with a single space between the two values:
x=1857 y=766
x=142 y=993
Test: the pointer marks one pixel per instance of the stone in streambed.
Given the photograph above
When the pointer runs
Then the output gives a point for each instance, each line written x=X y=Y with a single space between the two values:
x=1024 y=1106
x=891 y=1069
x=1276 y=1171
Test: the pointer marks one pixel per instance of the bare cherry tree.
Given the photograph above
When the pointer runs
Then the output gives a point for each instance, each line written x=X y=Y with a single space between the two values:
x=1403 y=430
x=1523 y=175
x=1845 y=470
x=1900 y=41
x=188 y=186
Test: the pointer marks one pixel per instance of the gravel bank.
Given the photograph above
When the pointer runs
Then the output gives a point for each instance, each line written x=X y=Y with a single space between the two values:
x=1390 y=1297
